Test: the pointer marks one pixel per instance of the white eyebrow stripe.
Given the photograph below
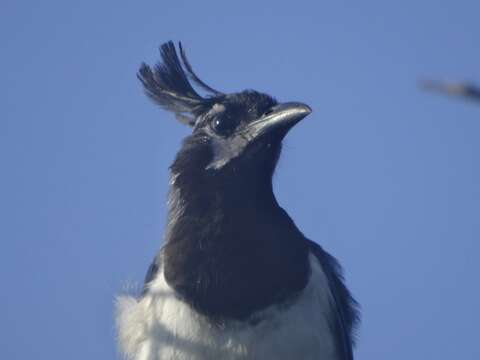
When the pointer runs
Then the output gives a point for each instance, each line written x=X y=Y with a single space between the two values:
x=217 y=108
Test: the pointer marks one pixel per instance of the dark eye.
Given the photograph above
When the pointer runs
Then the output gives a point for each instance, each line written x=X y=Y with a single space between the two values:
x=222 y=126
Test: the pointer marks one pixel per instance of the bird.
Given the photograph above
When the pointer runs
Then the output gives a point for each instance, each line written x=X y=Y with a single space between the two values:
x=465 y=90
x=235 y=278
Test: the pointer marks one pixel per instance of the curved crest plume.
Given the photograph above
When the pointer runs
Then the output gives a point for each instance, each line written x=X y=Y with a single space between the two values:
x=168 y=85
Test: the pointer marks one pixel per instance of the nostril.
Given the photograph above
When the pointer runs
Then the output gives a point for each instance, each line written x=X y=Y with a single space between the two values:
x=268 y=112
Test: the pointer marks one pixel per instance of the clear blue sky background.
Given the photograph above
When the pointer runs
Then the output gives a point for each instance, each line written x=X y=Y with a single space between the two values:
x=383 y=175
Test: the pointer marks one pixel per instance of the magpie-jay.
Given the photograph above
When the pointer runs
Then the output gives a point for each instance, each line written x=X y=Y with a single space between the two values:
x=235 y=278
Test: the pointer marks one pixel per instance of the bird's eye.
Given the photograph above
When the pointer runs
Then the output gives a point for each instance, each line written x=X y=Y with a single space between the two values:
x=222 y=126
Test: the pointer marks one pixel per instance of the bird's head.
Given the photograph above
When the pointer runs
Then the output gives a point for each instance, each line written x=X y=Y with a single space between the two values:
x=235 y=135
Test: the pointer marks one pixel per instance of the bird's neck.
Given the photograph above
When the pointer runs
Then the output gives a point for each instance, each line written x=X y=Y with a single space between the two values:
x=230 y=250
x=206 y=196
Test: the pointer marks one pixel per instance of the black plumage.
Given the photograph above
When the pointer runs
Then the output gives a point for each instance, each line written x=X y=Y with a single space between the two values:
x=230 y=250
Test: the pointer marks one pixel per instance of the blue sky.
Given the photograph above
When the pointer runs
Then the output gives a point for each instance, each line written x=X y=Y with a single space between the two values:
x=383 y=175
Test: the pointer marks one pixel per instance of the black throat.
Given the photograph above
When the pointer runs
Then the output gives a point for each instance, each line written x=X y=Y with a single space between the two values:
x=230 y=249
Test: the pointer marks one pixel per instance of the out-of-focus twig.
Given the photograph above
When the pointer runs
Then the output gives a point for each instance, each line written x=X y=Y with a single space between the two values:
x=460 y=89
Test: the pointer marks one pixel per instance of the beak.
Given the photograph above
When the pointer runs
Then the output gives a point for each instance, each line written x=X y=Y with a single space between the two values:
x=283 y=116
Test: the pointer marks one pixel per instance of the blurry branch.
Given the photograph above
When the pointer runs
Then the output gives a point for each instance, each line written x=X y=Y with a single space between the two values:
x=462 y=90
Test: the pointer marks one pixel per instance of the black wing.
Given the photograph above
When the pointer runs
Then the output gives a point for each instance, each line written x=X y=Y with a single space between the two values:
x=347 y=312
x=151 y=273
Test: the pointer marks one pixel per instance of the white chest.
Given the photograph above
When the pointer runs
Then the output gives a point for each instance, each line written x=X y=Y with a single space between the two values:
x=162 y=327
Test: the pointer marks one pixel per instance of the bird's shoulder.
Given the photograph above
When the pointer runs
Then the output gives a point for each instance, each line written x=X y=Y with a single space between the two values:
x=152 y=271
x=346 y=315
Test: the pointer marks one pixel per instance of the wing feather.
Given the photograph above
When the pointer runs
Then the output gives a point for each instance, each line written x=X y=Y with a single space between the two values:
x=347 y=313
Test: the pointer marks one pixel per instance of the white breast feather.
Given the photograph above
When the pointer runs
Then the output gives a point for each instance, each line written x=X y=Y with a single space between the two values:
x=161 y=327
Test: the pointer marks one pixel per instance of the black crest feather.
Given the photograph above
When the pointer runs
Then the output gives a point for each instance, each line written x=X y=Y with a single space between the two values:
x=168 y=85
x=192 y=74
